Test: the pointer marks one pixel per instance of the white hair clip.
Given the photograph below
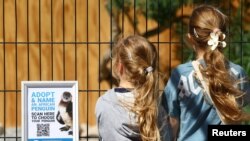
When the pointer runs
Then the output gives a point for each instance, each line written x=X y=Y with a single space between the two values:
x=149 y=69
x=214 y=41
x=195 y=34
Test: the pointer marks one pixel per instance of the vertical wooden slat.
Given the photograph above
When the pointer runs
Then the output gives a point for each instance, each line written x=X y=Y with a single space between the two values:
x=69 y=64
x=1 y=23
x=93 y=21
x=58 y=39
x=45 y=21
x=9 y=8
x=21 y=37
x=10 y=111
x=1 y=84
x=57 y=61
x=81 y=20
x=46 y=65
x=69 y=21
x=46 y=55
x=22 y=20
x=105 y=22
x=33 y=21
x=57 y=21
x=34 y=68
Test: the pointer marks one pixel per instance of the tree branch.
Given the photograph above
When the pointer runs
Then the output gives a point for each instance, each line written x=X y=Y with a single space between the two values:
x=160 y=29
x=131 y=21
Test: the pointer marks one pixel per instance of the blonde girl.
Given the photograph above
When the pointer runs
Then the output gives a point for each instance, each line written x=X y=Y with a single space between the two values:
x=130 y=112
x=216 y=95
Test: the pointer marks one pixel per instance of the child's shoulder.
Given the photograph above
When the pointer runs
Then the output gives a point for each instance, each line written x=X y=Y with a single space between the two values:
x=235 y=66
x=105 y=101
x=236 y=69
x=107 y=96
x=185 y=65
x=184 y=68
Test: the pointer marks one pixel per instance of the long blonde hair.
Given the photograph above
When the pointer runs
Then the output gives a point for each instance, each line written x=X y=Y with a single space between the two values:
x=139 y=58
x=204 y=20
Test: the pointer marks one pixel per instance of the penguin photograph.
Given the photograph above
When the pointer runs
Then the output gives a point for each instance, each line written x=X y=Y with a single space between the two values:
x=64 y=114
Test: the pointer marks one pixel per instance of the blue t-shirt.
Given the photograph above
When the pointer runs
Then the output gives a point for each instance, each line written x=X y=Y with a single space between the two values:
x=185 y=101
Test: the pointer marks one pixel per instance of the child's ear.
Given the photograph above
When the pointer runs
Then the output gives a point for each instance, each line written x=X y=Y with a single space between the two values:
x=190 y=41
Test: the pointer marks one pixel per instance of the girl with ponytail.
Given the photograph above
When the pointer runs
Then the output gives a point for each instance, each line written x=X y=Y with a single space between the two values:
x=210 y=89
x=132 y=111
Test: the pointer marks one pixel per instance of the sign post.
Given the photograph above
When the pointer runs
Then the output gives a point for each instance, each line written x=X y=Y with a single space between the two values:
x=50 y=111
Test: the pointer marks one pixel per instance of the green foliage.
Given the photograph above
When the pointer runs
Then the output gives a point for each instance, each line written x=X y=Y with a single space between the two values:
x=247 y=110
x=238 y=49
x=118 y=5
x=159 y=10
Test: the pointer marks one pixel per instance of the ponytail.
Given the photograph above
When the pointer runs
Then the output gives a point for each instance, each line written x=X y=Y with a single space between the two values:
x=146 y=107
x=222 y=87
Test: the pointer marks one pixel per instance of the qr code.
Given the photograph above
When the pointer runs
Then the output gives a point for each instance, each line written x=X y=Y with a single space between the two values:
x=43 y=130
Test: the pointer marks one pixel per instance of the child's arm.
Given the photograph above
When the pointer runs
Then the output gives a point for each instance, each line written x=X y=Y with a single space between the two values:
x=174 y=122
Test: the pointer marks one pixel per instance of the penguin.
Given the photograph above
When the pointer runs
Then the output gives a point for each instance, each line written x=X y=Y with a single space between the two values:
x=64 y=114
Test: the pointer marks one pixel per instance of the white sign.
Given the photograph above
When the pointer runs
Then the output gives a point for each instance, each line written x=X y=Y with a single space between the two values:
x=50 y=111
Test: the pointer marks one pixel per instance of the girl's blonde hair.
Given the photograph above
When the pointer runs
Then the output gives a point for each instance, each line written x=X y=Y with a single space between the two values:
x=204 y=20
x=139 y=59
